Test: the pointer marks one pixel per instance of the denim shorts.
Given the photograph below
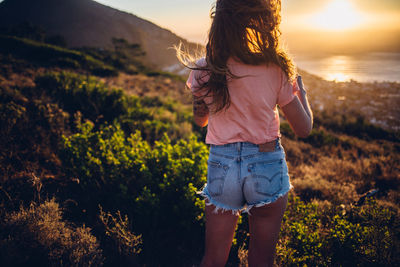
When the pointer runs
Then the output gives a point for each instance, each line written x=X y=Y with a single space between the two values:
x=240 y=177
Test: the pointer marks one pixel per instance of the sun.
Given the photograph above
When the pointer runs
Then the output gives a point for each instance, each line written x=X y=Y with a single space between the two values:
x=338 y=15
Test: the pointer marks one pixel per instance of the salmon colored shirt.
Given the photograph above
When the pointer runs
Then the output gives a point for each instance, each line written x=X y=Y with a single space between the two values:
x=253 y=115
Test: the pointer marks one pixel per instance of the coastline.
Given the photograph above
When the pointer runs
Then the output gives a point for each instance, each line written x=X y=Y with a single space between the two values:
x=378 y=102
x=365 y=68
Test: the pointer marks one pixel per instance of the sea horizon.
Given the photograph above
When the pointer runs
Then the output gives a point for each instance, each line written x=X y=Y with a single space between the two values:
x=366 y=67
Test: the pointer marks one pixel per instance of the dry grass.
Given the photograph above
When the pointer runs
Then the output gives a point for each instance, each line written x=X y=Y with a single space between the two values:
x=117 y=229
x=38 y=235
x=243 y=255
x=142 y=85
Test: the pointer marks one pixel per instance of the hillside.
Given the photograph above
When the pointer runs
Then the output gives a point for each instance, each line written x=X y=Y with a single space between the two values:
x=88 y=23
x=103 y=169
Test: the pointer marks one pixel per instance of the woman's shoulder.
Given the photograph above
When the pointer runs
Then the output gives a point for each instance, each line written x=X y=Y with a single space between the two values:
x=270 y=70
x=267 y=65
x=202 y=63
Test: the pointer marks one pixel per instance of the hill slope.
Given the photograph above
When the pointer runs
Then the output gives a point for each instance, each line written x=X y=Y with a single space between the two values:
x=88 y=23
x=124 y=166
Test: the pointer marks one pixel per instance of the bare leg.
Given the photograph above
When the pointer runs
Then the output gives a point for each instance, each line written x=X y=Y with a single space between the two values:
x=220 y=229
x=265 y=223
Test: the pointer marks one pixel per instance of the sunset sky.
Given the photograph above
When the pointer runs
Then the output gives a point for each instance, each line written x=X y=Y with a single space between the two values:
x=327 y=26
x=190 y=18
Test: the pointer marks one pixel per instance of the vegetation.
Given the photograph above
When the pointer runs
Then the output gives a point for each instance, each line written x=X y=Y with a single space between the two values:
x=28 y=46
x=339 y=236
x=90 y=175
x=124 y=57
x=33 y=32
x=51 y=55
x=38 y=236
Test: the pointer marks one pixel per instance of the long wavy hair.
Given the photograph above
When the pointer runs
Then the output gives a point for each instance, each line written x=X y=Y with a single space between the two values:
x=248 y=31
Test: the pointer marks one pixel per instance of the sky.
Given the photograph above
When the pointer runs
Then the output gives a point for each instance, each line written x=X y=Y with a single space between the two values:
x=190 y=18
x=187 y=18
x=346 y=25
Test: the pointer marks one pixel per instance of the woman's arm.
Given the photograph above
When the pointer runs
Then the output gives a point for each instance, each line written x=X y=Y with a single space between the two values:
x=200 y=111
x=298 y=112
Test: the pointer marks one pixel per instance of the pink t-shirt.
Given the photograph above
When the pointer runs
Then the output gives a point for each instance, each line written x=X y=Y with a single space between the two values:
x=253 y=115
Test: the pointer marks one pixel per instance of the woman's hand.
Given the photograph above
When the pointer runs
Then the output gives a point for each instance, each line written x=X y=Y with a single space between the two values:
x=200 y=111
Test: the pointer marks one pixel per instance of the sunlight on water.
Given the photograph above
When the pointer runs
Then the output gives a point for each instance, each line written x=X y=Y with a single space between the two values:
x=338 y=66
x=339 y=77
x=363 y=68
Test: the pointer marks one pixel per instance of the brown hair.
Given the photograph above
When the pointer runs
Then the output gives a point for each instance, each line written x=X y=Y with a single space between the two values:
x=248 y=31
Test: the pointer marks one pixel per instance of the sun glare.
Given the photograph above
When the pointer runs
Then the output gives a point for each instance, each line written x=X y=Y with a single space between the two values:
x=338 y=15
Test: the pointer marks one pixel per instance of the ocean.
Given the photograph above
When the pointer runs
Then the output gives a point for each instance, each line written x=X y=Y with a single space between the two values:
x=369 y=67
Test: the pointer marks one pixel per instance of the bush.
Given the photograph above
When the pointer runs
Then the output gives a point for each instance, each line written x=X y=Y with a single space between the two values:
x=87 y=95
x=354 y=236
x=354 y=124
x=160 y=183
x=366 y=235
x=90 y=97
x=37 y=236
x=301 y=242
x=320 y=137
x=30 y=130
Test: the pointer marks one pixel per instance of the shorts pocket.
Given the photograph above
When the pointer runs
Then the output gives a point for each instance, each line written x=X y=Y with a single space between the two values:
x=267 y=176
x=216 y=177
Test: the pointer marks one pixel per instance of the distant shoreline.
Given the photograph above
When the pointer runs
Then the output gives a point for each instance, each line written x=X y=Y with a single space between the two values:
x=377 y=102
x=363 y=68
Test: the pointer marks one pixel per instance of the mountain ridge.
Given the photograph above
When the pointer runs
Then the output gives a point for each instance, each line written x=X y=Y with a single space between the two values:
x=89 y=23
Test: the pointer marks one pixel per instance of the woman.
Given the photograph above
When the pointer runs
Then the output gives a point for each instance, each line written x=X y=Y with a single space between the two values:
x=236 y=90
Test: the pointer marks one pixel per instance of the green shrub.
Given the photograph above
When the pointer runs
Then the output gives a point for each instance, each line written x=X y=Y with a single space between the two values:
x=87 y=95
x=160 y=183
x=301 y=242
x=368 y=235
x=361 y=236
x=97 y=103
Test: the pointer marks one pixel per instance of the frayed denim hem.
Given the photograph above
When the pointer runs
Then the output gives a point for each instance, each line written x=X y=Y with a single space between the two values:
x=218 y=206
x=246 y=208
x=263 y=203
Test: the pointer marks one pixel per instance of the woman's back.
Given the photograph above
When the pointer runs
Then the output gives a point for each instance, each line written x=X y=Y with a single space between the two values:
x=252 y=115
x=246 y=171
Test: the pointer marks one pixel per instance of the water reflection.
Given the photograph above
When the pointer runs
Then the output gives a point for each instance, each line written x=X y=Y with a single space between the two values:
x=363 y=68
x=339 y=77
x=337 y=68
